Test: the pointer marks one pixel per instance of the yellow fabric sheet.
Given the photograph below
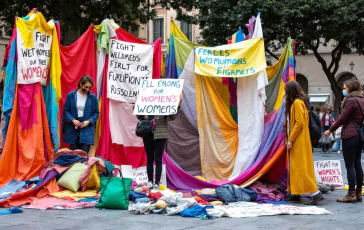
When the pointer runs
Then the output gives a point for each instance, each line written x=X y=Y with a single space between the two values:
x=75 y=195
x=217 y=129
x=235 y=60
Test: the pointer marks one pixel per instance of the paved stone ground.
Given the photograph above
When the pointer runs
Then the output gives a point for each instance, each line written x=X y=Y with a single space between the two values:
x=344 y=216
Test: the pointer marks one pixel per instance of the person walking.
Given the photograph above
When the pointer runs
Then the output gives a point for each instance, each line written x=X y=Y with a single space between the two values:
x=351 y=119
x=154 y=146
x=80 y=114
x=326 y=121
x=301 y=175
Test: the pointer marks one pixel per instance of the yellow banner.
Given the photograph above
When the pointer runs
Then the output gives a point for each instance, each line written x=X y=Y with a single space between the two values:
x=235 y=60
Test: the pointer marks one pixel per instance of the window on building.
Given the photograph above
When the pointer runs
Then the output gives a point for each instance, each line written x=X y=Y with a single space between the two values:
x=302 y=80
x=187 y=30
x=158 y=28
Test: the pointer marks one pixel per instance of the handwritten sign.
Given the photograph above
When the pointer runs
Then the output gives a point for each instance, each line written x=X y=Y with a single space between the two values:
x=234 y=60
x=129 y=64
x=140 y=176
x=158 y=97
x=34 y=58
x=329 y=172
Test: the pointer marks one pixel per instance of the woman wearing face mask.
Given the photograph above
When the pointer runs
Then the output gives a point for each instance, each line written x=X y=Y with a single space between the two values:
x=301 y=175
x=351 y=118
x=80 y=114
x=326 y=121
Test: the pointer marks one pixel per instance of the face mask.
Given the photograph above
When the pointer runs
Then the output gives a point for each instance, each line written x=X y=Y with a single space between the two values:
x=345 y=93
x=84 y=90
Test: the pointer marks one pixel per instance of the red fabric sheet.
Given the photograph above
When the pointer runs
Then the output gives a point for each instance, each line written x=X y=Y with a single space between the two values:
x=119 y=154
x=116 y=154
x=77 y=60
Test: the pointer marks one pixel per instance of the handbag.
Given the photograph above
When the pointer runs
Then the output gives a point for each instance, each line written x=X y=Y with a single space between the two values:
x=114 y=192
x=360 y=129
x=325 y=140
x=145 y=127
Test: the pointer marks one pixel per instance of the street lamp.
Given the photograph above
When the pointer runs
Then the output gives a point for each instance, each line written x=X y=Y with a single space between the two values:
x=352 y=66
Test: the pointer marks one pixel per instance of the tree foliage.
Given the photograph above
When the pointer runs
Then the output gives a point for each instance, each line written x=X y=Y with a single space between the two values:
x=79 y=14
x=312 y=23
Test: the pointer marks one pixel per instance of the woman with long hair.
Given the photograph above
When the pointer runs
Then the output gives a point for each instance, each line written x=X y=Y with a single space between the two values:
x=301 y=175
x=80 y=114
x=351 y=119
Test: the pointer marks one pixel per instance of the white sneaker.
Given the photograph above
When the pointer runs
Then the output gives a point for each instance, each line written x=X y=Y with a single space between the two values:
x=156 y=186
x=150 y=184
x=338 y=152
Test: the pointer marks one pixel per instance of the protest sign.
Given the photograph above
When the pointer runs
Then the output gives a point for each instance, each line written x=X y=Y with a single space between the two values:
x=249 y=209
x=34 y=56
x=129 y=64
x=235 y=60
x=140 y=176
x=329 y=172
x=158 y=97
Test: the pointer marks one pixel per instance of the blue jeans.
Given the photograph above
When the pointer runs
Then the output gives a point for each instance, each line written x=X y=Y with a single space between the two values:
x=325 y=146
x=338 y=144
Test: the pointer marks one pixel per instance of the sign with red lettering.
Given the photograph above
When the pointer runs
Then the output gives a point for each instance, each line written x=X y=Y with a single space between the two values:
x=158 y=97
x=329 y=172
x=34 y=57
x=129 y=63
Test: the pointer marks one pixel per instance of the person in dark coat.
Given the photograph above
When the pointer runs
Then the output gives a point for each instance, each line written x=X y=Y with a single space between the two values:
x=155 y=144
x=351 y=119
x=80 y=114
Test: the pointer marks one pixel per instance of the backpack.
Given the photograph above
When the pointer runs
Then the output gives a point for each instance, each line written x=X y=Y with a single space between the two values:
x=314 y=127
x=360 y=129
x=229 y=193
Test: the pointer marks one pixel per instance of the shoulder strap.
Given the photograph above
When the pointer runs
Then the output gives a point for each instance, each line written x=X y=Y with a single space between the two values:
x=359 y=107
x=356 y=124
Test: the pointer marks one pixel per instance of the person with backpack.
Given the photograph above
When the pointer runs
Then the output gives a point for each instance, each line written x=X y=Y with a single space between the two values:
x=351 y=120
x=154 y=145
x=301 y=174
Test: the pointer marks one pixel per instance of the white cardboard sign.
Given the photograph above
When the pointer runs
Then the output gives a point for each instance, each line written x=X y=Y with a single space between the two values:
x=129 y=64
x=329 y=172
x=140 y=176
x=33 y=61
x=158 y=97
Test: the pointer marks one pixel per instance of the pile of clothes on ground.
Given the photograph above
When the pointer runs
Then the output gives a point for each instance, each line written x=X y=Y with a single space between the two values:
x=70 y=180
x=205 y=203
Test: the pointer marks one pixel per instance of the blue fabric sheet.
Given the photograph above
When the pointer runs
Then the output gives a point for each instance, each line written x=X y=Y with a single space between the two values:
x=11 y=211
x=12 y=187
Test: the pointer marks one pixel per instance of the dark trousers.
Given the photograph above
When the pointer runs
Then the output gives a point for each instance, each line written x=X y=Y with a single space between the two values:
x=77 y=144
x=154 y=150
x=325 y=146
x=352 y=158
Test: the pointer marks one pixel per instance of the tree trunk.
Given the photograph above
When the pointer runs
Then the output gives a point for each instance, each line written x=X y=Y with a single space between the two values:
x=337 y=104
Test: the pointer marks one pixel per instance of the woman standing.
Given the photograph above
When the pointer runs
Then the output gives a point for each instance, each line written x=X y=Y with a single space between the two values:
x=351 y=118
x=154 y=146
x=326 y=121
x=80 y=114
x=301 y=175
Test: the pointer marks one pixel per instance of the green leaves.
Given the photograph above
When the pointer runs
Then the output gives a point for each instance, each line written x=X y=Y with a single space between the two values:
x=79 y=14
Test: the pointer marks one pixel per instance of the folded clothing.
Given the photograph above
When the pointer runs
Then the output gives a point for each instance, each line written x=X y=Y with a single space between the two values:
x=136 y=195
